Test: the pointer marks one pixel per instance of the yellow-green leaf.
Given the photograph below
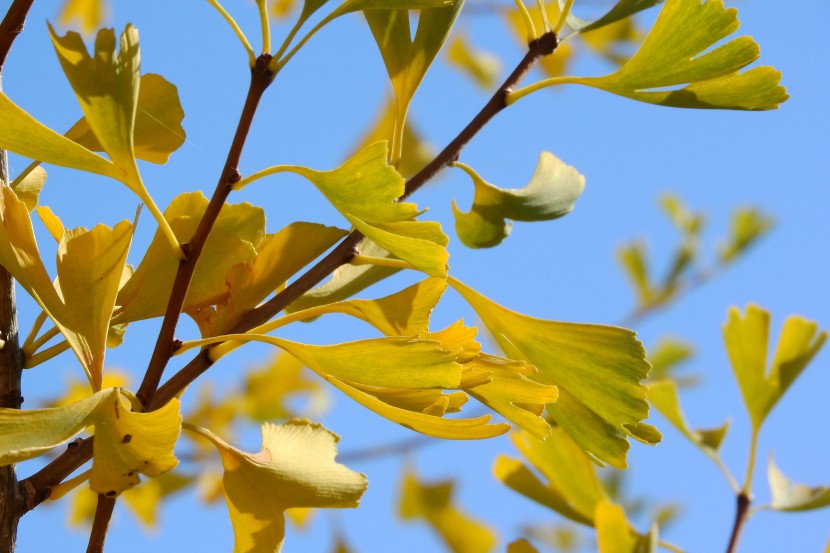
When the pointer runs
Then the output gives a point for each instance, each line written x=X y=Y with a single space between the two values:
x=513 y=394
x=790 y=496
x=748 y=226
x=365 y=190
x=237 y=232
x=521 y=546
x=662 y=395
x=295 y=468
x=434 y=504
x=277 y=259
x=598 y=370
x=746 y=343
x=158 y=122
x=551 y=194
x=679 y=51
x=621 y=10
x=126 y=442
x=665 y=357
x=614 y=534
x=268 y=389
x=484 y=68
x=634 y=261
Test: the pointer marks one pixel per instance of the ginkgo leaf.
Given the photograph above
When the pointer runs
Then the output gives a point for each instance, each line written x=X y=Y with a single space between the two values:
x=295 y=468
x=551 y=194
x=88 y=13
x=365 y=190
x=666 y=356
x=663 y=396
x=350 y=6
x=484 y=68
x=748 y=225
x=621 y=10
x=89 y=265
x=28 y=189
x=346 y=280
x=126 y=443
x=634 y=260
x=237 y=232
x=598 y=370
x=678 y=51
x=277 y=259
x=434 y=504
x=790 y=496
x=615 y=535
x=158 y=128
x=407 y=59
x=267 y=391
x=746 y=343
x=513 y=394
x=404 y=313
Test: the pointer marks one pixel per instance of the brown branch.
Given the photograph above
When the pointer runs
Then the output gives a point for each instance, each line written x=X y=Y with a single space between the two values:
x=12 y=26
x=260 y=79
x=741 y=510
x=103 y=514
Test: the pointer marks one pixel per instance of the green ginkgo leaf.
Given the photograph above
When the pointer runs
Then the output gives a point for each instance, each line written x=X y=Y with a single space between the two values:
x=746 y=339
x=295 y=468
x=748 y=225
x=158 y=128
x=663 y=396
x=551 y=194
x=126 y=443
x=680 y=51
x=790 y=496
x=238 y=230
x=365 y=190
x=598 y=370
x=621 y=10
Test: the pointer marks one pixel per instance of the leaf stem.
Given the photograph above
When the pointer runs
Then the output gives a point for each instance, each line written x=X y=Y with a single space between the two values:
x=544 y=15
x=236 y=29
x=380 y=262
x=46 y=355
x=32 y=347
x=750 y=464
x=563 y=17
x=267 y=172
x=36 y=326
x=103 y=514
x=529 y=26
x=260 y=79
x=266 y=26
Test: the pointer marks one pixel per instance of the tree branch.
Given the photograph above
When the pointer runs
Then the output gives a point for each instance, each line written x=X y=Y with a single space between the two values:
x=103 y=514
x=741 y=510
x=12 y=26
x=260 y=79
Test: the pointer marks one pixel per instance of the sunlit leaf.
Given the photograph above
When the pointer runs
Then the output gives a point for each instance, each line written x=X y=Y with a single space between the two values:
x=484 y=68
x=678 y=51
x=267 y=390
x=126 y=443
x=663 y=396
x=790 y=496
x=746 y=343
x=277 y=259
x=434 y=504
x=238 y=230
x=375 y=211
x=158 y=128
x=598 y=370
x=615 y=535
x=28 y=189
x=621 y=10
x=634 y=261
x=684 y=219
x=615 y=42
x=295 y=468
x=514 y=395
x=551 y=194
x=666 y=356
x=89 y=267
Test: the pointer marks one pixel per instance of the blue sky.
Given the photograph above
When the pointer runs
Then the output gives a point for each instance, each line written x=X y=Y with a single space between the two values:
x=629 y=153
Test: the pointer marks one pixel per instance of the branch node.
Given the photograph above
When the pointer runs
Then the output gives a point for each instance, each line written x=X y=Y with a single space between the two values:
x=545 y=44
x=233 y=176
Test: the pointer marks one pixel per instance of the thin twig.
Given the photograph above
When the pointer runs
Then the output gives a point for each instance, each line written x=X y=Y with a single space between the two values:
x=741 y=509
x=12 y=26
x=103 y=513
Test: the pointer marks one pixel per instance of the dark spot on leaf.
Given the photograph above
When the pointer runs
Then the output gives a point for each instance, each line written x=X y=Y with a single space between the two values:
x=127 y=438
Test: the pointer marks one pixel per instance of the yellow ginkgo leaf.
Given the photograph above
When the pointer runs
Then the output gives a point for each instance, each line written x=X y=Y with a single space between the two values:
x=126 y=443
x=365 y=190
x=29 y=187
x=598 y=370
x=267 y=391
x=277 y=259
x=521 y=546
x=89 y=265
x=433 y=503
x=89 y=14
x=295 y=468
x=238 y=230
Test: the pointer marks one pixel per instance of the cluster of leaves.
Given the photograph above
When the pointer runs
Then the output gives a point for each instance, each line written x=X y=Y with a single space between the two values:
x=576 y=390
